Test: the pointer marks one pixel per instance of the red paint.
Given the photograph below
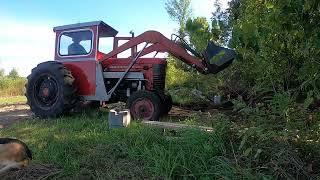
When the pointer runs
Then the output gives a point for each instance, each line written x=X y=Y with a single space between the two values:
x=142 y=108
x=159 y=43
x=100 y=55
x=84 y=73
x=143 y=65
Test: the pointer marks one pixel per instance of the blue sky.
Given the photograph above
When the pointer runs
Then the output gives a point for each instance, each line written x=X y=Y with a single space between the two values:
x=26 y=36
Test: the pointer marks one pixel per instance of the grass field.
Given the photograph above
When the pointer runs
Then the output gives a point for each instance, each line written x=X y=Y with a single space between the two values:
x=12 y=100
x=83 y=147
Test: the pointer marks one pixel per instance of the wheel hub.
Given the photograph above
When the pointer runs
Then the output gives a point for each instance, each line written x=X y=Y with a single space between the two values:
x=47 y=91
x=142 y=108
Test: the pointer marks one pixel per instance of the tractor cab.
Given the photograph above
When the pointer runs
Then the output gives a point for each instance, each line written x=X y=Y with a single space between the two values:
x=80 y=41
x=77 y=48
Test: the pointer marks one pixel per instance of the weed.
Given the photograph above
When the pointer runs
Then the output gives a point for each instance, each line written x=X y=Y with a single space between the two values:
x=12 y=100
x=12 y=86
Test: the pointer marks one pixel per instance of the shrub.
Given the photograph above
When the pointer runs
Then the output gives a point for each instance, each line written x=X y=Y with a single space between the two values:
x=12 y=86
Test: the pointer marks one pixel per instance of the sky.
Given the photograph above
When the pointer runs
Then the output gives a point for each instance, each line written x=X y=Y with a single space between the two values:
x=27 y=38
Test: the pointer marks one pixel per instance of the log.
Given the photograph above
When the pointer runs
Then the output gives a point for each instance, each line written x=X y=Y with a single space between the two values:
x=175 y=126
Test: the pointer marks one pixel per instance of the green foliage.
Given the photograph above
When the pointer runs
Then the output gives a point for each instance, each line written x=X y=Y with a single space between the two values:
x=198 y=30
x=12 y=100
x=220 y=25
x=12 y=86
x=278 y=43
x=179 y=11
x=1 y=72
x=13 y=73
x=183 y=85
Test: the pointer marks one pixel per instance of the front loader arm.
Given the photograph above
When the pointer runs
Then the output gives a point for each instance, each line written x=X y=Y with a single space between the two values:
x=159 y=43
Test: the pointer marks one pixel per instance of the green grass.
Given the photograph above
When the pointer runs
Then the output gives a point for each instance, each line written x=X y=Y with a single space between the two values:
x=83 y=146
x=12 y=86
x=12 y=100
x=183 y=84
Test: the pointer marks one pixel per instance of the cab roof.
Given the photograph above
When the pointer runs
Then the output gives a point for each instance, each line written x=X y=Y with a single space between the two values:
x=104 y=29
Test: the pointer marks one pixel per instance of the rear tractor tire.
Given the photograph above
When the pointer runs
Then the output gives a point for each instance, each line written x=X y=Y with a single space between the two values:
x=50 y=91
x=145 y=105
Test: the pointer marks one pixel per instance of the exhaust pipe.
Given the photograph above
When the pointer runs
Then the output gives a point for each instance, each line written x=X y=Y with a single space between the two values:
x=217 y=58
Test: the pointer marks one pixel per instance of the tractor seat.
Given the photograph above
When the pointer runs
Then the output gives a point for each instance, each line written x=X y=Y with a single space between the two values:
x=76 y=49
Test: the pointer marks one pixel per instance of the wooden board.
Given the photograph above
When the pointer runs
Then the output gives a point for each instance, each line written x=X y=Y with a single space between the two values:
x=175 y=126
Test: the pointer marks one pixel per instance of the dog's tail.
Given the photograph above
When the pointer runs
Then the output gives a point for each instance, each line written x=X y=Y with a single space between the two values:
x=12 y=140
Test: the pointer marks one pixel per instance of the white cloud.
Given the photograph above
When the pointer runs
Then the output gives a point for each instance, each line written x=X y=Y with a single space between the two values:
x=24 y=45
x=206 y=7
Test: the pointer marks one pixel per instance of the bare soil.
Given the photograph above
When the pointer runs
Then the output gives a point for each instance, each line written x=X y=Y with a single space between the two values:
x=10 y=114
x=32 y=171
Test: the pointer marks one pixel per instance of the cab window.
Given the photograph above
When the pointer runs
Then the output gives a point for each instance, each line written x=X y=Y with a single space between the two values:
x=75 y=43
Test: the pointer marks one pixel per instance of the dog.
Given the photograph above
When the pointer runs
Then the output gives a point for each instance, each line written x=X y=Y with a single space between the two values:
x=13 y=154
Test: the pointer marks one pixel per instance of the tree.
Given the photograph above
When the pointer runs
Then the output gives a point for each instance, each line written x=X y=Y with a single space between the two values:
x=201 y=32
x=1 y=72
x=198 y=30
x=221 y=28
x=179 y=11
x=13 y=73
x=278 y=44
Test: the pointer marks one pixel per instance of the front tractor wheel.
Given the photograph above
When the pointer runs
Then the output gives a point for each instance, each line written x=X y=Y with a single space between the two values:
x=50 y=91
x=144 y=105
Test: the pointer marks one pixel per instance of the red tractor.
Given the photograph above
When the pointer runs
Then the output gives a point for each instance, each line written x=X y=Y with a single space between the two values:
x=81 y=72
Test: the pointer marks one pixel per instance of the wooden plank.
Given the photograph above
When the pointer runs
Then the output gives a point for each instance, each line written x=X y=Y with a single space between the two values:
x=175 y=126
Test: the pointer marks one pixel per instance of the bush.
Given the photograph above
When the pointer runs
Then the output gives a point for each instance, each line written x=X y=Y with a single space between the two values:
x=278 y=44
x=189 y=86
x=12 y=86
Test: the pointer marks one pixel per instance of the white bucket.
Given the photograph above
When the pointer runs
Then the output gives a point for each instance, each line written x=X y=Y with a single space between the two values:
x=119 y=119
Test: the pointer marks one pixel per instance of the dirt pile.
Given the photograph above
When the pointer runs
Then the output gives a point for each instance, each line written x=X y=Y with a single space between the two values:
x=33 y=171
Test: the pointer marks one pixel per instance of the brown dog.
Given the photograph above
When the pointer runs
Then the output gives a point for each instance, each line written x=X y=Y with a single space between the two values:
x=13 y=154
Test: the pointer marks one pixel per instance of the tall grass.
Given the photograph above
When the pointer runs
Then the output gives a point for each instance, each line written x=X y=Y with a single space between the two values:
x=12 y=86
x=82 y=145
x=12 y=100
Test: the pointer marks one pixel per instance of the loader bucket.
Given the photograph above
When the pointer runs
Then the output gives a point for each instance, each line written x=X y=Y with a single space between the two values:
x=217 y=58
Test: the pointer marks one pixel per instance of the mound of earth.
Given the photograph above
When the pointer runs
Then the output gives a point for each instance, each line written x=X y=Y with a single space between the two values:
x=32 y=171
